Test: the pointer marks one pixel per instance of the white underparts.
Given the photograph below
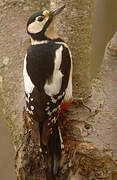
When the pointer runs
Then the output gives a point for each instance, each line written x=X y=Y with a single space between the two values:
x=29 y=86
x=68 y=94
x=29 y=111
x=54 y=87
x=50 y=33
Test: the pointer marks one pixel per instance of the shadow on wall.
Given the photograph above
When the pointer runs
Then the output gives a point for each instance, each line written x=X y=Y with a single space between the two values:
x=105 y=25
x=7 y=171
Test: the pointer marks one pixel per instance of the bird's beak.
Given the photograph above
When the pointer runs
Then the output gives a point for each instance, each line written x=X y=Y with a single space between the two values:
x=56 y=11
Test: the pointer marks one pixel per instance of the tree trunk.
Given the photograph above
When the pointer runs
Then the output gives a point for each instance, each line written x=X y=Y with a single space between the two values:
x=82 y=158
x=104 y=27
x=75 y=27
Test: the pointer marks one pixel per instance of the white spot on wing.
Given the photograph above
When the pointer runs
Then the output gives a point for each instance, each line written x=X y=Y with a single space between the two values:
x=29 y=86
x=54 y=110
x=30 y=112
x=53 y=100
x=32 y=108
x=60 y=96
x=54 y=120
x=47 y=108
x=49 y=113
x=54 y=87
x=49 y=124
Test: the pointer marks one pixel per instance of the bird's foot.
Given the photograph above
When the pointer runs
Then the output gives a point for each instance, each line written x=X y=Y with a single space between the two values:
x=80 y=102
x=63 y=118
x=65 y=113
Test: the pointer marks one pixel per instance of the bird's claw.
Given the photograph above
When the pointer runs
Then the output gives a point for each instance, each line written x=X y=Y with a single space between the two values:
x=80 y=102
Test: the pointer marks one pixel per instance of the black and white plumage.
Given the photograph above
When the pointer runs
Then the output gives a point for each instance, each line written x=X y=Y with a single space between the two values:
x=48 y=82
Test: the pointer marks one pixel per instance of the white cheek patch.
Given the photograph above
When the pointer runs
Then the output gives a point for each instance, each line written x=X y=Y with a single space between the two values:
x=37 y=26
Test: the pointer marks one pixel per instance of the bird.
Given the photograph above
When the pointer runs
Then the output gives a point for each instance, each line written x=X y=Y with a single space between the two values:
x=47 y=76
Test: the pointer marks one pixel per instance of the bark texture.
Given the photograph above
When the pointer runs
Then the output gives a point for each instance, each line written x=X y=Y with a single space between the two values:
x=87 y=155
x=104 y=27
x=75 y=27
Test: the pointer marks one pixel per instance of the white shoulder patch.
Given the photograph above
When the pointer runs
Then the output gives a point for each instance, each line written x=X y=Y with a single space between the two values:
x=29 y=86
x=54 y=87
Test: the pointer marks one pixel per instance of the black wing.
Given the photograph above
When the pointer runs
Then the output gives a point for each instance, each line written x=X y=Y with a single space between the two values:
x=40 y=66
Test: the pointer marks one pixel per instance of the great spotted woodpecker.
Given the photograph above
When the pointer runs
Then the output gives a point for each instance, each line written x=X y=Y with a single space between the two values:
x=48 y=83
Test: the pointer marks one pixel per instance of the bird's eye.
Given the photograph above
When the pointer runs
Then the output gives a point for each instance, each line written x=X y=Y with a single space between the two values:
x=40 y=18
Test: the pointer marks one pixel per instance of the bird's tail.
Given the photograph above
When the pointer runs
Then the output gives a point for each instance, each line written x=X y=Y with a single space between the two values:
x=53 y=153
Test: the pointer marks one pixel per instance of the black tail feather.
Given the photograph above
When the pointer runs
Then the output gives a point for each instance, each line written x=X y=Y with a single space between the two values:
x=52 y=153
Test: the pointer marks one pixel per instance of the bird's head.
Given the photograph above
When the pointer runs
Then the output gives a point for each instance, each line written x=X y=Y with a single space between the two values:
x=40 y=22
